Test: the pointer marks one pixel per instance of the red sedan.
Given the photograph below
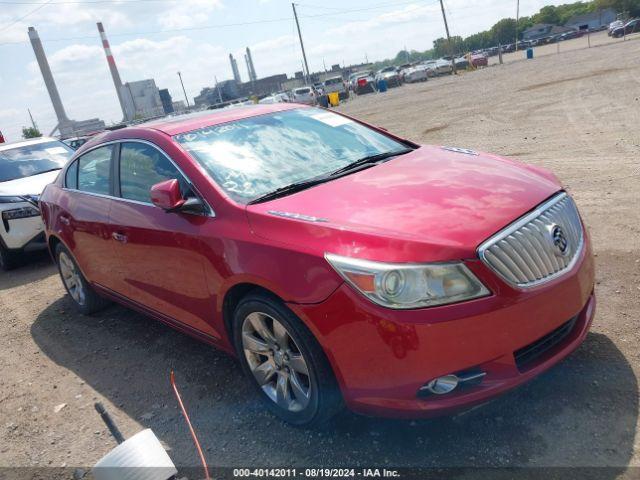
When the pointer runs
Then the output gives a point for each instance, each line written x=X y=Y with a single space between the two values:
x=340 y=263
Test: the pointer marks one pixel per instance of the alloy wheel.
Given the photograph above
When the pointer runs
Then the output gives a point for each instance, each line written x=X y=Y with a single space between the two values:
x=276 y=362
x=71 y=278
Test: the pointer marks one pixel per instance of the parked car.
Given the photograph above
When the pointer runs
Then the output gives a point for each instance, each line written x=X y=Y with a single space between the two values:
x=305 y=95
x=479 y=60
x=440 y=66
x=389 y=75
x=336 y=84
x=275 y=98
x=414 y=74
x=508 y=48
x=614 y=26
x=458 y=277
x=363 y=83
x=462 y=63
x=25 y=168
x=76 y=142
x=633 y=26
x=318 y=87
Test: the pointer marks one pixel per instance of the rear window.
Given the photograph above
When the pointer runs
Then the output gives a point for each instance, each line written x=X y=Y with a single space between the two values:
x=29 y=160
x=333 y=81
x=302 y=91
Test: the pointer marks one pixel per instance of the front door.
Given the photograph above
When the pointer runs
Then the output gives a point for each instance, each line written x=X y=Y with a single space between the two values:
x=160 y=256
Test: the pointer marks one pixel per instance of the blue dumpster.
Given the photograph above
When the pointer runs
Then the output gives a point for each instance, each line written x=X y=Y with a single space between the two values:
x=529 y=53
x=382 y=85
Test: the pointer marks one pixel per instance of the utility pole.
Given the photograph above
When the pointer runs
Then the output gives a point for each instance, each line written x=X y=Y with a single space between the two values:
x=517 y=19
x=183 y=90
x=33 y=123
x=304 y=55
x=218 y=89
x=446 y=27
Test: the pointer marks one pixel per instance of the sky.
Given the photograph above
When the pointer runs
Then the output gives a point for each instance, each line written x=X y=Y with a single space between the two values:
x=157 y=38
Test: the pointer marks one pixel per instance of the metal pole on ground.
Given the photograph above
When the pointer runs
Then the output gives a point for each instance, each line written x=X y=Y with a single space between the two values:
x=183 y=90
x=304 y=55
x=589 y=37
x=517 y=18
x=446 y=27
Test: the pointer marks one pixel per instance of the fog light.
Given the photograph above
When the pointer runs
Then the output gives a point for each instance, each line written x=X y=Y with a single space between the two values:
x=442 y=385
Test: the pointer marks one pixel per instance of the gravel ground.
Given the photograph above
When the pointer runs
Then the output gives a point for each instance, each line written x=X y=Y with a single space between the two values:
x=577 y=113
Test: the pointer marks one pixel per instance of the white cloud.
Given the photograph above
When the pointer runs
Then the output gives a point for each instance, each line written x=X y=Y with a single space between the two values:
x=188 y=13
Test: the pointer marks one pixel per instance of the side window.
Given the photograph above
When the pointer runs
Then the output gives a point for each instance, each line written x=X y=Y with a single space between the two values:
x=141 y=167
x=94 y=171
x=71 y=178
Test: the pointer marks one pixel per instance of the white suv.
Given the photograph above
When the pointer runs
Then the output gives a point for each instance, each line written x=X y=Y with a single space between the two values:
x=25 y=169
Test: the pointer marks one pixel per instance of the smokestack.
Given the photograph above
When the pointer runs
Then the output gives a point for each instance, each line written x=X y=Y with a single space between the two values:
x=234 y=69
x=63 y=120
x=117 y=82
x=250 y=67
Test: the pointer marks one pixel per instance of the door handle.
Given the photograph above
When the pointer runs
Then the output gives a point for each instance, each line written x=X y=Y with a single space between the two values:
x=65 y=220
x=119 y=237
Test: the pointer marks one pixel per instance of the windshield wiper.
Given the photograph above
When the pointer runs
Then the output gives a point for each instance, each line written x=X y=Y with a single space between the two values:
x=370 y=160
x=298 y=186
x=45 y=171
x=288 y=189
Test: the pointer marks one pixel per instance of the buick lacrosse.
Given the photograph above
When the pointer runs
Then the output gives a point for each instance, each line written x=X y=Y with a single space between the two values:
x=341 y=264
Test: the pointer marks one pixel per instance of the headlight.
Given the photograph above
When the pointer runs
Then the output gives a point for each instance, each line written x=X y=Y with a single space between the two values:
x=404 y=286
x=23 y=212
x=5 y=199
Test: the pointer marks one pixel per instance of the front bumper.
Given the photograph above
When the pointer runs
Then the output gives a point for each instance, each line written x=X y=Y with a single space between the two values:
x=22 y=233
x=382 y=357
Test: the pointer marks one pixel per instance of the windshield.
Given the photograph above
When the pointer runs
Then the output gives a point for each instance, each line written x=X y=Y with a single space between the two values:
x=333 y=81
x=28 y=160
x=302 y=91
x=251 y=157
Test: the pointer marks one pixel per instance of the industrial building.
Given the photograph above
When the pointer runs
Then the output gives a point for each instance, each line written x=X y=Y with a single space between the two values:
x=143 y=96
x=596 y=20
x=66 y=127
x=167 y=101
x=139 y=99
x=234 y=69
x=250 y=68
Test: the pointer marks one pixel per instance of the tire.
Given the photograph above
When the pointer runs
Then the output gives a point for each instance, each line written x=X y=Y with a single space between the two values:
x=8 y=259
x=279 y=372
x=84 y=297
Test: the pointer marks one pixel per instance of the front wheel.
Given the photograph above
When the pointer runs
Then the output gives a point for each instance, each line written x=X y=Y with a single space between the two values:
x=8 y=259
x=284 y=362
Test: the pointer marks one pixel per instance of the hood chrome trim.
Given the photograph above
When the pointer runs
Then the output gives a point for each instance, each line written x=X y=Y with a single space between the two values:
x=297 y=216
x=465 y=151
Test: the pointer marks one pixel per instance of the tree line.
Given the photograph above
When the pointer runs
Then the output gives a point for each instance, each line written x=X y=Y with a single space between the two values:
x=504 y=31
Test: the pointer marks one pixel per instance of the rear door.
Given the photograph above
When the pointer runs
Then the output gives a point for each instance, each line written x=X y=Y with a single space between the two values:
x=160 y=255
x=84 y=213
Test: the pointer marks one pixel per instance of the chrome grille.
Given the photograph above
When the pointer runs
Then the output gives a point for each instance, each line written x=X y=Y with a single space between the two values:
x=539 y=247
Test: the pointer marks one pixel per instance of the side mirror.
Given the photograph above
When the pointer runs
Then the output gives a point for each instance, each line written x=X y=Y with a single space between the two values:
x=167 y=195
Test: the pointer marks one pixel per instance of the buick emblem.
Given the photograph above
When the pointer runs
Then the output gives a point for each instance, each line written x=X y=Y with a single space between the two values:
x=560 y=241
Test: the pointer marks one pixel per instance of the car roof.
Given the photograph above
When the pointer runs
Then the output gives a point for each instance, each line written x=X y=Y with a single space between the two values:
x=193 y=121
x=24 y=143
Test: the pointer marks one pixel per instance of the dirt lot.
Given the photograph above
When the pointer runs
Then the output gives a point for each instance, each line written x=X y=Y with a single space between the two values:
x=577 y=113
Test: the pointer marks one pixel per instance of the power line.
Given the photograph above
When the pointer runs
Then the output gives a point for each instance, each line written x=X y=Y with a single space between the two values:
x=79 y=2
x=25 y=16
x=319 y=16
x=188 y=29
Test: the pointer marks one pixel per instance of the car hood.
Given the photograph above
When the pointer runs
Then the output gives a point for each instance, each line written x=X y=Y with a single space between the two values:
x=33 y=185
x=432 y=204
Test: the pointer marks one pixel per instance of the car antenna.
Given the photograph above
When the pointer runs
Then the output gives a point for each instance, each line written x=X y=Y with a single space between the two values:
x=193 y=433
